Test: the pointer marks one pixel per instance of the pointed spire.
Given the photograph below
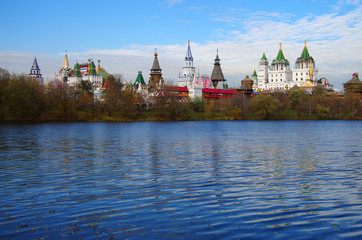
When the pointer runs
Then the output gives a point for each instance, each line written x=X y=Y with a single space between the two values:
x=35 y=65
x=92 y=69
x=264 y=57
x=99 y=65
x=139 y=79
x=156 y=65
x=76 y=71
x=65 y=62
x=280 y=56
x=305 y=53
x=217 y=74
x=189 y=54
x=254 y=73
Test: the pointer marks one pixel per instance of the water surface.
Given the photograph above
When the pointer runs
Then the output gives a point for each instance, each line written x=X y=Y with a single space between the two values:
x=182 y=180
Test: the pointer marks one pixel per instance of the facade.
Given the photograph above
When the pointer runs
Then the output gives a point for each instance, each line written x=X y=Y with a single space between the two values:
x=91 y=76
x=35 y=72
x=279 y=76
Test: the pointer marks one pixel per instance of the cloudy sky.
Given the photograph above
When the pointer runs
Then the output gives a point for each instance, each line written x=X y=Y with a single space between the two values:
x=124 y=34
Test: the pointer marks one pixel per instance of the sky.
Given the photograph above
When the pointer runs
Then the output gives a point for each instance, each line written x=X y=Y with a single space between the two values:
x=124 y=35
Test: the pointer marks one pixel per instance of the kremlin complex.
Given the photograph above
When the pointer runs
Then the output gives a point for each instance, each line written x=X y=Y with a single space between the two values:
x=270 y=76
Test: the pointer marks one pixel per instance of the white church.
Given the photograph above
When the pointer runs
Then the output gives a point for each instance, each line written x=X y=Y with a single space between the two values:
x=279 y=76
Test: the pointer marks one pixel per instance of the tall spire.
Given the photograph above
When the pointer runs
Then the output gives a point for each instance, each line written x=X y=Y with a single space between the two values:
x=156 y=65
x=305 y=53
x=188 y=54
x=217 y=74
x=65 y=66
x=35 y=68
x=280 y=56
x=99 y=65
x=156 y=80
x=35 y=71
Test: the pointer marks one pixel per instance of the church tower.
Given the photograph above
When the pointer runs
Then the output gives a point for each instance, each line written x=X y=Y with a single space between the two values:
x=279 y=75
x=217 y=75
x=263 y=73
x=188 y=71
x=64 y=71
x=35 y=72
x=156 y=80
x=302 y=67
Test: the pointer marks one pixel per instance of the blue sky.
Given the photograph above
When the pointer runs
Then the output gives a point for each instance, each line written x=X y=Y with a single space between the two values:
x=124 y=34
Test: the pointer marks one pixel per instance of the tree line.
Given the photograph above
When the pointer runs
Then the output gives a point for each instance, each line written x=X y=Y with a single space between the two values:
x=24 y=99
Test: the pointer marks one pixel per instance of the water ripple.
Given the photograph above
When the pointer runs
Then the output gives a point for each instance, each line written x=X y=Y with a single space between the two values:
x=181 y=180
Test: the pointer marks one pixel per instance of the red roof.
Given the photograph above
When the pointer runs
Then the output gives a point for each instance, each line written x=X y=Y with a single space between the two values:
x=176 y=89
x=218 y=91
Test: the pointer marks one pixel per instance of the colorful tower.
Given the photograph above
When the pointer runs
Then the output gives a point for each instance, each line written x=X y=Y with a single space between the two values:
x=92 y=69
x=76 y=71
x=217 y=75
x=156 y=80
x=35 y=72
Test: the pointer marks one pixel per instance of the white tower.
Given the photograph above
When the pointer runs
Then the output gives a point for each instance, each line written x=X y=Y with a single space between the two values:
x=186 y=77
x=263 y=73
x=280 y=75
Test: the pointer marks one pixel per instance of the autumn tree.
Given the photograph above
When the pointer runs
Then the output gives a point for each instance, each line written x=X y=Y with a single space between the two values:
x=265 y=106
x=112 y=95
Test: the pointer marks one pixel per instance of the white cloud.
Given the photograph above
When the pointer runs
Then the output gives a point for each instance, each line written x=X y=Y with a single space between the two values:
x=171 y=3
x=333 y=40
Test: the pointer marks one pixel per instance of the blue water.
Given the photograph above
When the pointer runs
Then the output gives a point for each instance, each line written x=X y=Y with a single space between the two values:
x=182 y=180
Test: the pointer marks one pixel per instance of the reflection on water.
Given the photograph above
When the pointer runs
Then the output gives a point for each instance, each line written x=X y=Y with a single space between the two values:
x=189 y=180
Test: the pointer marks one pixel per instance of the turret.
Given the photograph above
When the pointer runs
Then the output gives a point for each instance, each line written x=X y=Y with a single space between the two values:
x=156 y=79
x=217 y=75
x=280 y=62
x=92 y=69
x=35 y=72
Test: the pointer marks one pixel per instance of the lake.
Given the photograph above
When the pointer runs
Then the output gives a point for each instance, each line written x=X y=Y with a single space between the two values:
x=181 y=180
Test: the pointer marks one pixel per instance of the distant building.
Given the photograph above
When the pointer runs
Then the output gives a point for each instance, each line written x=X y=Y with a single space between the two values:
x=64 y=72
x=217 y=77
x=278 y=76
x=35 y=72
x=187 y=75
x=354 y=85
x=156 y=81
x=140 y=85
